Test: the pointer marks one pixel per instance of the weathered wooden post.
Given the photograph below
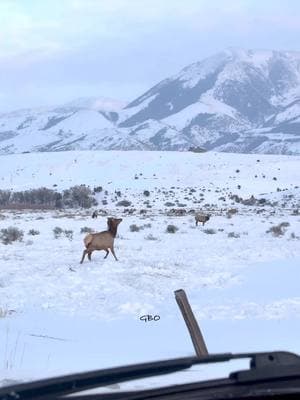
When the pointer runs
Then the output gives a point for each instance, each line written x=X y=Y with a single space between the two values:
x=191 y=323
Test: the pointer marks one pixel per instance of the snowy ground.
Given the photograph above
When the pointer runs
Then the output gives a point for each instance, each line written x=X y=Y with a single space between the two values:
x=59 y=316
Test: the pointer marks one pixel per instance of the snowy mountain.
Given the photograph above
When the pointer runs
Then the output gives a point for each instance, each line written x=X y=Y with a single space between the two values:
x=81 y=124
x=235 y=101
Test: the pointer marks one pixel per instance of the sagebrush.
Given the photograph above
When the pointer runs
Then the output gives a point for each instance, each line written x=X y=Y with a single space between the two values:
x=11 y=234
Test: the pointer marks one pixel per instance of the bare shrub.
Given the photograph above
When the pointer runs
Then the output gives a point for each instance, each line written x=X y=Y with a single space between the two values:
x=233 y=235
x=57 y=231
x=33 y=232
x=4 y=197
x=41 y=197
x=171 y=229
x=197 y=149
x=68 y=233
x=169 y=204
x=135 y=228
x=294 y=236
x=44 y=198
x=150 y=237
x=278 y=230
x=124 y=203
x=285 y=224
x=210 y=231
x=11 y=234
x=78 y=196
x=146 y=193
x=231 y=212
x=86 y=229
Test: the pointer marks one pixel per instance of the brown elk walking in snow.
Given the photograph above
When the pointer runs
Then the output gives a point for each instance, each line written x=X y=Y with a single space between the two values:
x=202 y=218
x=102 y=240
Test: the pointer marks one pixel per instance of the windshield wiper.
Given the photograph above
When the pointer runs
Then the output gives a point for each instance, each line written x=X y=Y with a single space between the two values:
x=263 y=366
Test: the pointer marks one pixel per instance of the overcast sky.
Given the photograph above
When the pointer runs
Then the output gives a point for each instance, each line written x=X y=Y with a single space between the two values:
x=54 y=51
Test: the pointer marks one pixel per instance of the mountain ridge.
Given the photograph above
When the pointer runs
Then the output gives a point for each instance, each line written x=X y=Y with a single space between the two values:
x=237 y=100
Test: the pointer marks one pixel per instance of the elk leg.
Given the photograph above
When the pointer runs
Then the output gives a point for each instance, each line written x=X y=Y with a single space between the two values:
x=113 y=253
x=89 y=256
x=83 y=256
x=196 y=223
x=106 y=253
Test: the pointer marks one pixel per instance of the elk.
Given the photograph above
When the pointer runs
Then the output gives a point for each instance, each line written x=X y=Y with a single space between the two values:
x=95 y=214
x=102 y=240
x=202 y=218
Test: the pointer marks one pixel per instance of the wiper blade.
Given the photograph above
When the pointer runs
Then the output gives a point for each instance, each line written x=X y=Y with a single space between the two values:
x=88 y=380
x=278 y=362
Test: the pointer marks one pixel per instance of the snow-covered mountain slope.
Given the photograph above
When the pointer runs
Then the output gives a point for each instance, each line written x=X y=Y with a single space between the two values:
x=221 y=102
x=85 y=123
x=236 y=101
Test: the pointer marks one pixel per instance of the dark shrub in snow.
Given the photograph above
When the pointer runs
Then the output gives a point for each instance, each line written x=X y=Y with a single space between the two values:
x=278 y=230
x=69 y=234
x=169 y=204
x=86 y=229
x=150 y=237
x=33 y=232
x=134 y=228
x=209 y=231
x=124 y=203
x=4 y=197
x=78 y=196
x=11 y=234
x=233 y=235
x=57 y=231
x=171 y=229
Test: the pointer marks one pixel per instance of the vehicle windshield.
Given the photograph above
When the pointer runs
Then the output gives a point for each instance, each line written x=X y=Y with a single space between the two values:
x=147 y=147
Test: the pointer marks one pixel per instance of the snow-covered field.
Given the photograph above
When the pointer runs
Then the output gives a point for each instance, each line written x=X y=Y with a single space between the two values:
x=60 y=316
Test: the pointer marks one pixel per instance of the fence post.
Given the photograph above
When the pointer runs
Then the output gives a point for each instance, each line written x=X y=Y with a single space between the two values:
x=191 y=323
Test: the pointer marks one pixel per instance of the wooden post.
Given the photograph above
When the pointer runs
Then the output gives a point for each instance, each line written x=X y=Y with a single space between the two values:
x=191 y=323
